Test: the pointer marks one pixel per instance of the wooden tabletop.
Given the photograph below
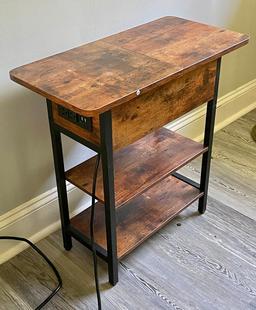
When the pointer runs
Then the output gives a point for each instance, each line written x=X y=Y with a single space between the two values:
x=95 y=77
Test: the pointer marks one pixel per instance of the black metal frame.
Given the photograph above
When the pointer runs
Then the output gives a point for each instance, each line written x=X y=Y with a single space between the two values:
x=106 y=150
x=60 y=179
x=109 y=193
x=186 y=179
x=208 y=140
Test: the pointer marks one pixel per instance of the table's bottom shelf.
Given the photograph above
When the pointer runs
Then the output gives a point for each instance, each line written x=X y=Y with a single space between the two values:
x=140 y=218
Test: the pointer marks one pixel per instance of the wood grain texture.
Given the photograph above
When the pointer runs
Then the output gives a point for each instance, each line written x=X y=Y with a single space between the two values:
x=179 y=42
x=142 y=217
x=98 y=76
x=140 y=165
x=156 y=108
x=137 y=118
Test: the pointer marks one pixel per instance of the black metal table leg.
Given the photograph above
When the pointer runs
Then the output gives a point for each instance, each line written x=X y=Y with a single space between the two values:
x=208 y=140
x=109 y=194
x=60 y=179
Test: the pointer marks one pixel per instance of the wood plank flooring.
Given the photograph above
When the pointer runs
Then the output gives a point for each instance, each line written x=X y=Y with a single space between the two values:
x=207 y=263
x=233 y=171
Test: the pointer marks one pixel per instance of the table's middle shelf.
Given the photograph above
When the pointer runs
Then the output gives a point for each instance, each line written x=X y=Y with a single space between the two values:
x=139 y=166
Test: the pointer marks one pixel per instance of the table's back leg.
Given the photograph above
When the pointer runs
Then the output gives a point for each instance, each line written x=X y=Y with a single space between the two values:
x=109 y=194
x=60 y=179
x=208 y=140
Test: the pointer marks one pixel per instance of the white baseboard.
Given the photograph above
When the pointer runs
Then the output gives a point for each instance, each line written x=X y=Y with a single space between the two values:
x=39 y=217
x=36 y=219
x=230 y=107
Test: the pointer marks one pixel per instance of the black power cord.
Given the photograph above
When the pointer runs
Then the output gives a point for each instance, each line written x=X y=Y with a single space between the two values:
x=92 y=245
x=48 y=262
x=94 y=254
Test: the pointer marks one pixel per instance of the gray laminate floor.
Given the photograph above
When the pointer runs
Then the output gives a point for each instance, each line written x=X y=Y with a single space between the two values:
x=209 y=262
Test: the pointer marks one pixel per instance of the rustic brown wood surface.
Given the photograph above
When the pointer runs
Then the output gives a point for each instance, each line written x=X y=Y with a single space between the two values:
x=95 y=77
x=143 y=216
x=140 y=165
x=134 y=119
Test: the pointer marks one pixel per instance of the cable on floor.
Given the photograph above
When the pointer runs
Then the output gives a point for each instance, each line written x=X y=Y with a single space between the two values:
x=47 y=261
x=92 y=246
